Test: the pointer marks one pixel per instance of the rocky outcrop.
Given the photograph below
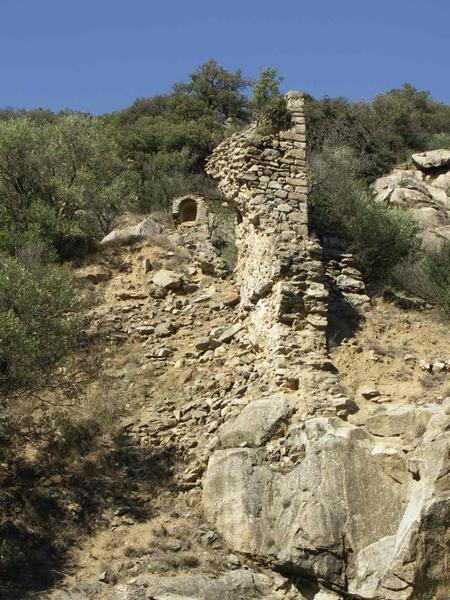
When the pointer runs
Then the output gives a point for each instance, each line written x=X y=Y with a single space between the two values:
x=131 y=234
x=242 y=584
x=237 y=585
x=433 y=159
x=425 y=191
x=347 y=510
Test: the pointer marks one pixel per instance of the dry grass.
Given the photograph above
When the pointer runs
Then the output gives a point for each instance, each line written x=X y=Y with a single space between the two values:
x=430 y=381
x=106 y=407
x=382 y=349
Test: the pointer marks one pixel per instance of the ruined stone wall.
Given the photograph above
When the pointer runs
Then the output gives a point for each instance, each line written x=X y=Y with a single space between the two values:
x=279 y=270
x=294 y=480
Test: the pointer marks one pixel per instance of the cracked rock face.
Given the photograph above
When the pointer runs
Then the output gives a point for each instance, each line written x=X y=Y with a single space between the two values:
x=347 y=513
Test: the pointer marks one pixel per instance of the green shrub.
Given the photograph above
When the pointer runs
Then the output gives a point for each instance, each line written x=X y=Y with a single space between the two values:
x=341 y=205
x=267 y=105
x=275 y=116
x=428 y=276
x=61 y=182
x=382 y=132
x=438 y=141
x=380 y=237
x=37 y=321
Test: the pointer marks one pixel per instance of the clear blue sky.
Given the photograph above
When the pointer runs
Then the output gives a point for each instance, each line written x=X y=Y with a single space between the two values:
x=99 y=55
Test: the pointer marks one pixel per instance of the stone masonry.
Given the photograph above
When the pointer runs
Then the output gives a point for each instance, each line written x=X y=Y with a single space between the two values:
x=279 y=270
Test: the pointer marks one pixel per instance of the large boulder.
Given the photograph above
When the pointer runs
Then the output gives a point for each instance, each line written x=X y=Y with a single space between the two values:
x=424 y=194
x=168 y=280
x=433 y=159
x=258 y=422
x=132 y=233
x=401 y=178
x=406 y=421
x=350 y=512
x=442 y=182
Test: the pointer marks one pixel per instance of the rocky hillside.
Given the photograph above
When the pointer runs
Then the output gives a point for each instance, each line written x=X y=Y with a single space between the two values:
x=297 y=431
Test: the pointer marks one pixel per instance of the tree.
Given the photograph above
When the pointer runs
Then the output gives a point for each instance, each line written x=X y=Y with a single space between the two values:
x=267 y=104
x=217 y=90
x=62 y=182
x=37 y=320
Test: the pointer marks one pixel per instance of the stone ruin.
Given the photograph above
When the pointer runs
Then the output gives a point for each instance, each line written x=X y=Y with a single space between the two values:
x=190 y=209
x=345 y=501
x=293 y=481
x=198 y=229
x=283 y=279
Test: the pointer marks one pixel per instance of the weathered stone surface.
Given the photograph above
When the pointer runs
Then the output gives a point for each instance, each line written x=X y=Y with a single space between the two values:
x=405 y=420
x=133 y=233
x=311 y=505
x=190 y=208
x=170 y=280
x=258 y=422
x=369 y=393
x=433 y=159
x=237 y=585
x=338 y=514
x=425 y=195
x=83 y=591
x=267 y=183
x=349 y=283
x=229 y=333
x=202 y=232
x=442 y=181
x=95 y=274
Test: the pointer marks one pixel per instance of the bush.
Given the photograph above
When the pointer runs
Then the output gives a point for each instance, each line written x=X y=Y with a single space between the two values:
x=379 y=236
x=37 y=321
x=383 y=132
x=428 y=276
x=438 y=141
x=61 y=182
x=267 y=105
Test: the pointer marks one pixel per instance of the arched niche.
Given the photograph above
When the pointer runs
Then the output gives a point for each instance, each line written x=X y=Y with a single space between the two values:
x=187 y=211
x=190 y=209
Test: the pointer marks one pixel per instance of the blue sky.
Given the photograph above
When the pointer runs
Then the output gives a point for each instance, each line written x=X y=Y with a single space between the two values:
x=99 y=55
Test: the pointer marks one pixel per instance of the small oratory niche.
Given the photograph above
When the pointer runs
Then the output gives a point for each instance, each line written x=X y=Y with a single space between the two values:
x=187 y=211
x=190 y=210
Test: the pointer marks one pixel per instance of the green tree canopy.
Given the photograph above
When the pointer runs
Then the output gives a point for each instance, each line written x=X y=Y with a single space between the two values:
x=267 y=104
x=61 y=182
x=217 y=90
x=37 y=322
